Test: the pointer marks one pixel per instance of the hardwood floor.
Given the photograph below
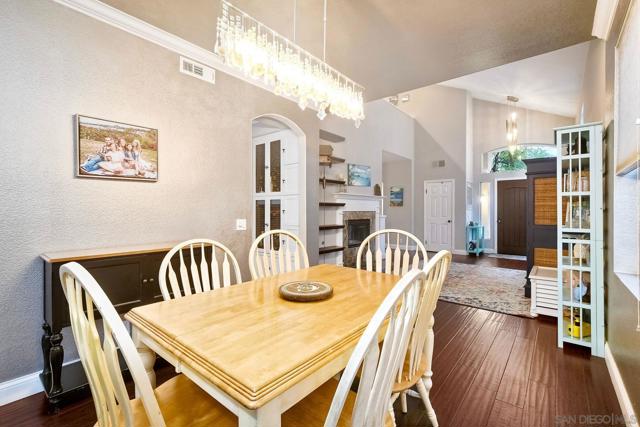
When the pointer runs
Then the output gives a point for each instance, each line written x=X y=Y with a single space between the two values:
x=490 y=369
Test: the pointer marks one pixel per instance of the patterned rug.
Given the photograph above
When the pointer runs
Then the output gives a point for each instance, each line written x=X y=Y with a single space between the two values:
x=490 y=288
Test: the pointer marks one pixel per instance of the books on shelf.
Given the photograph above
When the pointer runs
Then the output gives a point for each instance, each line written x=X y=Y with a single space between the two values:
x=578 y=215
x=575 y=181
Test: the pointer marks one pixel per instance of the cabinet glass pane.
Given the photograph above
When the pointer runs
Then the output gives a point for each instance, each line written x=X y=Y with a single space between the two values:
x=260 y=219
x=575 y=175
x=260 y=168
x=564 y=140
x=576 y=212
x=579 y=143
x=577 y=323
x=576 y=254
x=274 y=161
x=576 y=286
x=275 y=216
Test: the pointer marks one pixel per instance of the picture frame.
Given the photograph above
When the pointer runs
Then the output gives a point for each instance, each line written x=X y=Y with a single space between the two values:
x=396 y=196
x=358 y=175
x=107 y=149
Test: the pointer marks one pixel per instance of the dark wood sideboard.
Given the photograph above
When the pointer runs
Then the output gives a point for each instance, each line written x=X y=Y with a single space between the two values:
x=541 y=215
x=128 y=275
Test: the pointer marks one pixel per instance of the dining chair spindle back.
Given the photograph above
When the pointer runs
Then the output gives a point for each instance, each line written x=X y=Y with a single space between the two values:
x=219 y=270
x=397 y=261
x=276 y=252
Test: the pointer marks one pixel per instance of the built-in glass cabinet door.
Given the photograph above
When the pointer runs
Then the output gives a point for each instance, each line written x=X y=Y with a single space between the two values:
x=268 y=216
x=268 y=162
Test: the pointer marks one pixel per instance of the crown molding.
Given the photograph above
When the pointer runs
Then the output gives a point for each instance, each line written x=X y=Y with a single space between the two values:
x=142 y=29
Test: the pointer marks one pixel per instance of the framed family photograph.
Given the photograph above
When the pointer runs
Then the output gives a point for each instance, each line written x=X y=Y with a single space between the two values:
x=114 y=150
x=359 y=175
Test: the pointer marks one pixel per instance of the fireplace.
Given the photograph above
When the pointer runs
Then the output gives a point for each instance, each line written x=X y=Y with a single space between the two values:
x=357 y=231
x=357 y=227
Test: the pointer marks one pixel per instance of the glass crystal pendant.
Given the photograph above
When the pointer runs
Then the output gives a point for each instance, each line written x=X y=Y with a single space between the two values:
x=262 y=54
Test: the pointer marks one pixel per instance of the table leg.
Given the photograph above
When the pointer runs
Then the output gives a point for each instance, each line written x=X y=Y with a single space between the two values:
x=267 y=416
x=148 y=357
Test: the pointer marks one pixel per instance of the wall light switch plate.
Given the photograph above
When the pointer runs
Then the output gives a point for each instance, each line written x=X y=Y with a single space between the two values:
x=241 y=224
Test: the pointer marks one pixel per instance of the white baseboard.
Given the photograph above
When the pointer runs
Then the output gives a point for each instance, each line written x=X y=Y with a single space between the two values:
x=19 y=388
x=459 y=252
x=25 y=386
x=621 y=392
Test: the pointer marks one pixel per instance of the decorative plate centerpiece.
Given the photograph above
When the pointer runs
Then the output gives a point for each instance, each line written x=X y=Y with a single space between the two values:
x=305 y=291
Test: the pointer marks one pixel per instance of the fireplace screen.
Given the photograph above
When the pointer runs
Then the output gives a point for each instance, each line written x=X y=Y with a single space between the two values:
x=357 y=231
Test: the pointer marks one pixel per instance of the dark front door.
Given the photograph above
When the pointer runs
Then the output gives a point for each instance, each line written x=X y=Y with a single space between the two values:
x=512 y=217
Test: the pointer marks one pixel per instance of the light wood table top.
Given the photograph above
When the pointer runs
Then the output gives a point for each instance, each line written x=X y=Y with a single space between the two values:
x=254 y=345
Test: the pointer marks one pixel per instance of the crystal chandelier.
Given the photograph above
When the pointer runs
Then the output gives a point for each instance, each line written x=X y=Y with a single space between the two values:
x=512 y=124
x=262 y=54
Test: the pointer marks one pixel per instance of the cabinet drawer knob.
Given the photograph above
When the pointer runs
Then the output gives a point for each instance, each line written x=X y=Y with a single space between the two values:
x=144 y=280
x=151 y=280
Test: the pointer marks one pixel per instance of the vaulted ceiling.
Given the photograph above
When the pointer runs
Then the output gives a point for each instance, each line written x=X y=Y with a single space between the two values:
x=391 y=46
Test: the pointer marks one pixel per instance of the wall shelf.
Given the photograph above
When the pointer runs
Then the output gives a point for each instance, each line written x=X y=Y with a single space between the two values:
x=330 y=160
x=331 y=227
x=331 y=204
x=330 y=249
x=329 y=181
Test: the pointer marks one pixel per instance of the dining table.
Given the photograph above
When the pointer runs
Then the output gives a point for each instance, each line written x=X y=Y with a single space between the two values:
x=254 y=352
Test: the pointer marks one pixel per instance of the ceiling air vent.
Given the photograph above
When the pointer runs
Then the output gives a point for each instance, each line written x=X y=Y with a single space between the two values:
x=438 y=163
x=199 y=71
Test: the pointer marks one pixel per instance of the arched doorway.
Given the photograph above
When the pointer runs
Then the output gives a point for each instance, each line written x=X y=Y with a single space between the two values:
x=279 y=175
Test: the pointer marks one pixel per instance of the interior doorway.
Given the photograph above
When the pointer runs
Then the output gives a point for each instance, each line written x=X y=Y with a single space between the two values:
x=279 y=184
x=439 y=214
x=512 y=217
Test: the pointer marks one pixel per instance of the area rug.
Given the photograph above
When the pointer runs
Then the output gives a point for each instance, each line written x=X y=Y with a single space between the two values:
x=490 y=288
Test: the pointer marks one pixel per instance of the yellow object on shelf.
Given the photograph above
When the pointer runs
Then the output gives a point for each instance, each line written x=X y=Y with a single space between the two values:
x=574 y=330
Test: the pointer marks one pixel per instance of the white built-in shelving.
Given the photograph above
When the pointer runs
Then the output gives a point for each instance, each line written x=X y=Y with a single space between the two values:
x=580 y=236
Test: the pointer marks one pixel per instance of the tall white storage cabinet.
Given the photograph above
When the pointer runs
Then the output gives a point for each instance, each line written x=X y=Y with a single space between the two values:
x=580 y=236
x=276 y=191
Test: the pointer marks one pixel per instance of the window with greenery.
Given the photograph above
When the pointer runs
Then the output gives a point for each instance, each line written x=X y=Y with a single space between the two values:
x=503 y=160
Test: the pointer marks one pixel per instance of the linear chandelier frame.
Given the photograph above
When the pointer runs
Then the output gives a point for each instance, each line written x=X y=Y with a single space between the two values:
x=263 y=54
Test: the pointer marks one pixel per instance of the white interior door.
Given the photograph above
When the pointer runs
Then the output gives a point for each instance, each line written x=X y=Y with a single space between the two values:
x=438 y=215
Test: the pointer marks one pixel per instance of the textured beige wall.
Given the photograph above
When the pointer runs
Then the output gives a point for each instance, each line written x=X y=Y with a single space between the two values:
x=593 y=94
x=440 y=115
x=56 y=63
x=398 y=174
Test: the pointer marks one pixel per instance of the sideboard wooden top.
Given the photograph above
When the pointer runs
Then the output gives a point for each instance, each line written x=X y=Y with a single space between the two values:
x=81 y=254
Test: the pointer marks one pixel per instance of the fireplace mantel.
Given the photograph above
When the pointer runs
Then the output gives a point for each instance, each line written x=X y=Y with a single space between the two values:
x=353 y=196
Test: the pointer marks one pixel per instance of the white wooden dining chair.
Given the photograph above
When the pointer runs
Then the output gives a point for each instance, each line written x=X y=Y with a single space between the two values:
x=166 y=405
x=379 y=365
x=408 y=252
x=203 y=274
x=276 y=251
x=416 y=370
